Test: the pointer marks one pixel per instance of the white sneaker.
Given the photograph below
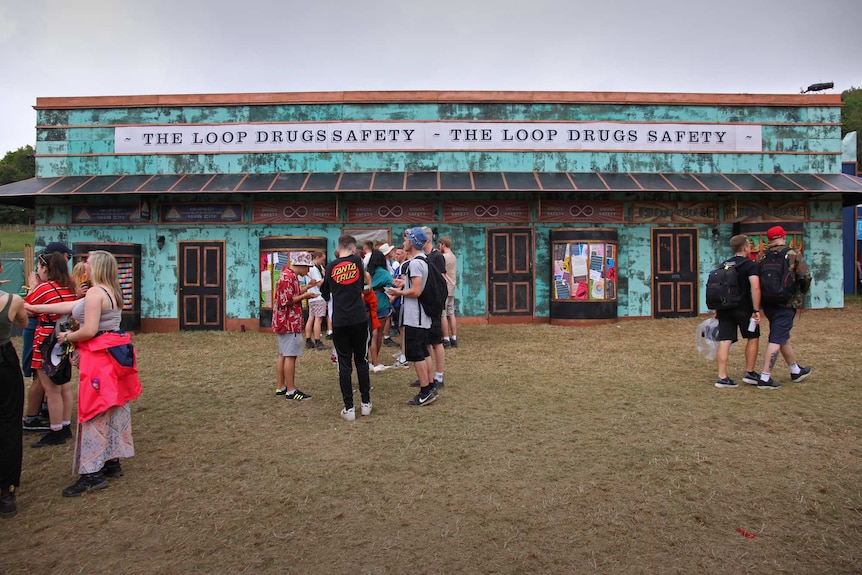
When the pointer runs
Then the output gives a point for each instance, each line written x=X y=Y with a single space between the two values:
x=379 y=367
x=365 y=408
x=349 y=414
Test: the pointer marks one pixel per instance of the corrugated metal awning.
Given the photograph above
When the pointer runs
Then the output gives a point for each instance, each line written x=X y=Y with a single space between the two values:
x=428 y=182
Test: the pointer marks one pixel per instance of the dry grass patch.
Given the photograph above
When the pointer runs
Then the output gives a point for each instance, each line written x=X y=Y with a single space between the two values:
x=551 y=450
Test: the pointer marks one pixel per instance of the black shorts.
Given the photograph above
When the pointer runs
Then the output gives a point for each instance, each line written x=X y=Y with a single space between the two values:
x=415 y=343
x=731 y=321
x=435 y=334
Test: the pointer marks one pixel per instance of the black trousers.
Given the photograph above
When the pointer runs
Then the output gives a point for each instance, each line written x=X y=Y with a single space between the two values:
x=351 y=346
x=11 y=409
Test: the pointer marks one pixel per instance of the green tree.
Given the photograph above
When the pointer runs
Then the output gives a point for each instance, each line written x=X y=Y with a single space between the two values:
x=14 y=167
x=851 y=117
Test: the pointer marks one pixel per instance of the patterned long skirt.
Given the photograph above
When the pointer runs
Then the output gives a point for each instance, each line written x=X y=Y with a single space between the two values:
x=106 y=436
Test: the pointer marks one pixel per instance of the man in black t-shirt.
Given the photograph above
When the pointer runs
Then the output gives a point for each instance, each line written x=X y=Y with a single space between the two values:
x=343 y=282
x=731 y=321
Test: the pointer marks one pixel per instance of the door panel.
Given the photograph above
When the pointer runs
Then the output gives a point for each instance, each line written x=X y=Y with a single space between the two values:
x=201 y=286
x=675 y=289
x=510 y=271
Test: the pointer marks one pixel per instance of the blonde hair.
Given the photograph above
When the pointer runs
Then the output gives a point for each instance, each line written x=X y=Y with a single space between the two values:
x=103 y=267
x=79 y=272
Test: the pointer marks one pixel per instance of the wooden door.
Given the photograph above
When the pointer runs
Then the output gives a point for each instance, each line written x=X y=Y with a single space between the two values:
x=675 y=288
x=201 y=285
x=510 y=271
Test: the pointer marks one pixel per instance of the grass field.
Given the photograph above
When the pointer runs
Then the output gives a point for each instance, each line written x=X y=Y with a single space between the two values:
x=551 y=450
x=13 y=238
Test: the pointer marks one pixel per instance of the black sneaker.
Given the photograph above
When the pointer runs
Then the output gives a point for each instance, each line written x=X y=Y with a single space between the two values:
x=50 y=438
x=36 y=423
x=389 y=342
x=797 y=377
x=725 y=382
x=67 y=431
x=751 y=378
x=112 y=468
x=319 y=345
x=309 y=344
x=454 y=343
x=282 y=391
x=297 y=395
x=447 y=344
x=329 y=335
x=8 y=507
x=426 y=399
x=435 y=383
x=86 y=481
x=771 y=384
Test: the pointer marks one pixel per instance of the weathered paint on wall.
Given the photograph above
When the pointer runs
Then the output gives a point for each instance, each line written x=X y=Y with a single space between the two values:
x=93 y=134
x=80 y=142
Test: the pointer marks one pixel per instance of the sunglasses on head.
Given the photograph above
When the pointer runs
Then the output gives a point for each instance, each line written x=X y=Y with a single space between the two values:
x=43 y=261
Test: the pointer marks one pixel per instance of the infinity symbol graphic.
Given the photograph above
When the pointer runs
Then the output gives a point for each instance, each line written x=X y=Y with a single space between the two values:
x=577 y=212
x=299 y=212
x=486 y=211
x=387 y=212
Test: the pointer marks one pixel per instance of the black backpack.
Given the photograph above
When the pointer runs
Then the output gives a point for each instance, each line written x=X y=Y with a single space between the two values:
x=56 y=357
x=434 y=292
x=722 y=287
x=777 y=280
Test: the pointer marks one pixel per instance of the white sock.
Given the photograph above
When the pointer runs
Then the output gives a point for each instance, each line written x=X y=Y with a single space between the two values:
x=795 y=369
x=446 y=339
x=765 y=376
x=438 y=375
x=56 y=427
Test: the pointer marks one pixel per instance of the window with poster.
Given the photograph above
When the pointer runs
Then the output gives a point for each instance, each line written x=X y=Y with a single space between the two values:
x=756 y=233
x=585 y=270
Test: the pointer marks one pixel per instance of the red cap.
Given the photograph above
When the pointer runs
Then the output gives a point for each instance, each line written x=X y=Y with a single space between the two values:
x=775 y=232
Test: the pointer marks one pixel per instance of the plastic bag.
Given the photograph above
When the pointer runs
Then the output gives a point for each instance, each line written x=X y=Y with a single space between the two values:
x=706 y=338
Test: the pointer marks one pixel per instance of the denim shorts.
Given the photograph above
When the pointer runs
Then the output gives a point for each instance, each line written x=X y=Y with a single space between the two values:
x=780 y=323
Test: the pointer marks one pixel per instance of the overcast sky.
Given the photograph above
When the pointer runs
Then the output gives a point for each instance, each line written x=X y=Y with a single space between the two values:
x=116 y=47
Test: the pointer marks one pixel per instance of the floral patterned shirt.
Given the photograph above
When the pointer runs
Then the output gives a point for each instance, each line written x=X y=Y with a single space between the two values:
x=287 y=316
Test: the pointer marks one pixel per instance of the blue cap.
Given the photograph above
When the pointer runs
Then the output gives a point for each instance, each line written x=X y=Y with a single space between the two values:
x=58 y=248
x=417 y=237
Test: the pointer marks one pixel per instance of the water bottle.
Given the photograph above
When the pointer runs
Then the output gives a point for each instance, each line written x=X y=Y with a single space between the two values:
x=751 y=324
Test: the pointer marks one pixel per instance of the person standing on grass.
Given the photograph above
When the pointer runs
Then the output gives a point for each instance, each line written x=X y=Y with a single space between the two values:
x=450 y=326
x=108 y=376
x=316 y=305
x=436 y=264
x=343 y=282
x=287 y=323
x=781 y=316
x=731 y=321
x=56 y=286
x=416 y=324
x=12 y=312
x=380 y=280
x=36 y=417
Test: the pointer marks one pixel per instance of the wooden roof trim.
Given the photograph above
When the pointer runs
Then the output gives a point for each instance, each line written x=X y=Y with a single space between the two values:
x=383 y=97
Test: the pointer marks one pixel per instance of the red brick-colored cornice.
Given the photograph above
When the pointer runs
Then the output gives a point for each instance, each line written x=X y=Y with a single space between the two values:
x=449 y=97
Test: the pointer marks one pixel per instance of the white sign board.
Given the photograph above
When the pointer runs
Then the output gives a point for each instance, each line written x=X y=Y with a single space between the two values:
x=430 y=136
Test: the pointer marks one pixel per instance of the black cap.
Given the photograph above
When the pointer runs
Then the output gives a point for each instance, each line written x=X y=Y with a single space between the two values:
x=58 y=248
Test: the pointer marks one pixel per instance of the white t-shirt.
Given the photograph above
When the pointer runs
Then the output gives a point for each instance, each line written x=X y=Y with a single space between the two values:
x=315 y=275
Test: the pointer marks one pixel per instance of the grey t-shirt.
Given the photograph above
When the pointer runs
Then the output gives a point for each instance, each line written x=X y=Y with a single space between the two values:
x=411 y=314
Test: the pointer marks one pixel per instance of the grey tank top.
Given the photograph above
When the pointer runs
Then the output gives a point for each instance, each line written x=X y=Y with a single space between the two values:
x=5 y=322
x=109 y=320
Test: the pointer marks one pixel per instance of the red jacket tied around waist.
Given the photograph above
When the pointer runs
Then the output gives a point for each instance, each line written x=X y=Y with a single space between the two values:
x=105 y=382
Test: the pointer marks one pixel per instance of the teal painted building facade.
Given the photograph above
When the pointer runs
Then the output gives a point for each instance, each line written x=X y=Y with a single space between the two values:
x=173 y=175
